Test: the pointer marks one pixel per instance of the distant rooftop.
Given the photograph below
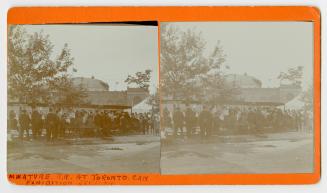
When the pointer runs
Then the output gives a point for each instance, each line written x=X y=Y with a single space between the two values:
x=267 y=95
x=242 y=81
x=90 y=84
x=107 y=98
x=129 y=89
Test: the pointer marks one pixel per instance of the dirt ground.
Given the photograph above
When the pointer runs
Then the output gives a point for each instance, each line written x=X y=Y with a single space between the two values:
x=290 y=152
x=125 y=154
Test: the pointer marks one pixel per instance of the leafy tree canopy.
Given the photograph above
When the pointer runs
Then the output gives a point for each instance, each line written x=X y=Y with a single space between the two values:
x=293 y=75
x=185 y=71
x=33 y=75
x=142 y=79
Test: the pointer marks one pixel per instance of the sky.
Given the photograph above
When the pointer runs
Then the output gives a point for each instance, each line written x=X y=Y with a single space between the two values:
x=107 y=52
x=260 y=49
x=112 y=52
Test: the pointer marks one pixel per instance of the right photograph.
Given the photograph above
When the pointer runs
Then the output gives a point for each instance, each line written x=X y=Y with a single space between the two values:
x=236 y=97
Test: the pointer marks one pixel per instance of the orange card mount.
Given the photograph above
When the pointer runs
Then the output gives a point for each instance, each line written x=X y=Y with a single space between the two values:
x=62 y=15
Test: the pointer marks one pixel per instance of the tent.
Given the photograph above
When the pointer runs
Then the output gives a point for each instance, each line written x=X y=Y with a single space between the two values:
x=295 y=103
x=142 y=107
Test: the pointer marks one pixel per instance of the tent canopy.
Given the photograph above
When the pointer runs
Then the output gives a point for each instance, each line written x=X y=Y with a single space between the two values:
x=295 y=103
x=142 y=107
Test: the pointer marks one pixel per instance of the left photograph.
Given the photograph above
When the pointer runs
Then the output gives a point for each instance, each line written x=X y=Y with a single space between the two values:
x=83 y=98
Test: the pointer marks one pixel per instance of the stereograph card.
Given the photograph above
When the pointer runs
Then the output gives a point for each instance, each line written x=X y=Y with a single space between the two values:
x=163 y=95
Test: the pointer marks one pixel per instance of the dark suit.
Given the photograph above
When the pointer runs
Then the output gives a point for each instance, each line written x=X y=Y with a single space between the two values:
x=190 y=119
x=205 y=122
x=178 y=118
x=24 y=121
x=52 y=126
x=36 y=121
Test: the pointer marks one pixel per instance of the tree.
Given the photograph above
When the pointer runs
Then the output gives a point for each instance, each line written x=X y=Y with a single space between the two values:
x=307 y=98
x=70 y=95
x=154 y=100
x=33 y=76
x=293 y=75
x=142 y=79
x=185 y=71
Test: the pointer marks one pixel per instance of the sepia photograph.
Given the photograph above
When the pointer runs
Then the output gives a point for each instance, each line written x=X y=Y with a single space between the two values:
x=83 y=98
x=236 y=97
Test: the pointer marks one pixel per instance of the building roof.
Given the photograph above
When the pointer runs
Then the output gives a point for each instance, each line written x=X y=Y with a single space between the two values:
x=107 y=98
x=90 y=84
x=131 y=89
x=255 y=96
x=266 y=95
x=242 y=81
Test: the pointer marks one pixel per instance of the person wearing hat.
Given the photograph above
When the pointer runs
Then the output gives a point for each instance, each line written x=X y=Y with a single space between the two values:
x=36 y=121
x=190 y=119
x=24 y=122
x=98 y=122
x=12 y=122
x=178 y=118
x=52 y=124
x=205 y=122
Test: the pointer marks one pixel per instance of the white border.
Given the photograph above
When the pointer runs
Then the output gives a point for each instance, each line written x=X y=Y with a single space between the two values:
x=6 y=187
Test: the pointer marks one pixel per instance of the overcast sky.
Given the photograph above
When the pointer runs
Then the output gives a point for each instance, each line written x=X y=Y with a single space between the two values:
x=261 y=49
x=107 y=52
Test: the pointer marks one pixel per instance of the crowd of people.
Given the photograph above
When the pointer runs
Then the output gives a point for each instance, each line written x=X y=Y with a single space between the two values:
x=236 y=120
x=58 y=123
